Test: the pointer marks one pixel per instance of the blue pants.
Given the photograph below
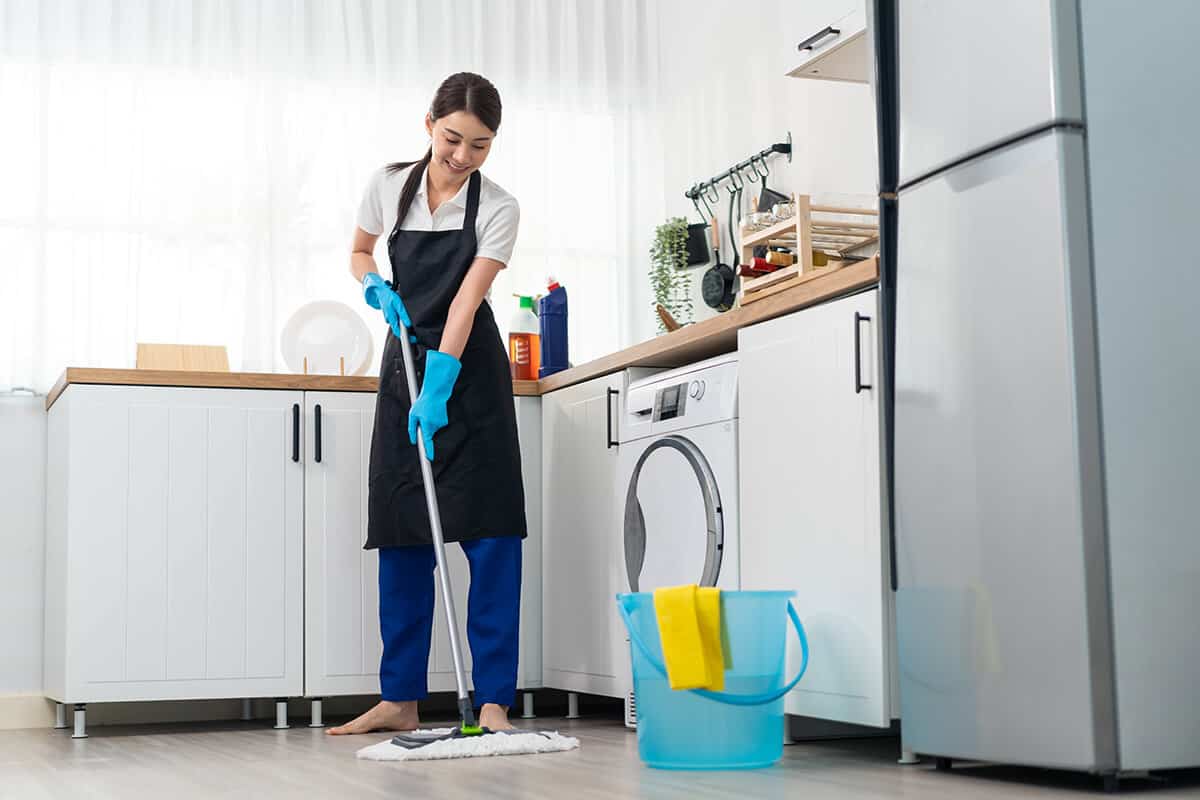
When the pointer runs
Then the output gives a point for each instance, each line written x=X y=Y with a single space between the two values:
x=406 y=592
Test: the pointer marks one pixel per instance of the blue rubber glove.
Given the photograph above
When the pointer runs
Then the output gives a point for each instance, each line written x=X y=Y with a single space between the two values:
x=379 y=295
x=429 y=412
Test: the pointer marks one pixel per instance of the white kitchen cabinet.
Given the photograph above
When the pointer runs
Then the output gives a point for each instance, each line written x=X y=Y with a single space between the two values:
x=174 y=550
x=341 y=580
x=583 y=637
x=829 y=41
x=342 y=641
x=529 y=430
x=811 y=507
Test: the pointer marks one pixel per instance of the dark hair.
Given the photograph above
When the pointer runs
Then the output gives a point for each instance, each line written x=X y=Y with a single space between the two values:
x=462 y=91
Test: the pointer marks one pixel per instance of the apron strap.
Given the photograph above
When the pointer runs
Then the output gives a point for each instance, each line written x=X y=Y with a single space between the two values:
x=469 y=239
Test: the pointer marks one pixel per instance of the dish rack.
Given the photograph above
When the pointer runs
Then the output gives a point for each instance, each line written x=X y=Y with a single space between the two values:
x=833 y=231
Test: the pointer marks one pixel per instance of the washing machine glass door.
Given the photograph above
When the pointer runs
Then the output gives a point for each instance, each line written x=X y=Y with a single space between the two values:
x=674 y=526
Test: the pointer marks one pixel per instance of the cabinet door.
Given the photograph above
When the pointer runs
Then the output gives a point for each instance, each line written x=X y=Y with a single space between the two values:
x=341 y=580
x=529 y=431
x=583 y=638
x=810 y=498
x=342 y=641
x=828 y=40
x=343 y=644
x=183 y=544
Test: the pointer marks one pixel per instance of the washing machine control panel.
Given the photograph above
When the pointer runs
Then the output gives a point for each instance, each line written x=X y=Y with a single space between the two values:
x=670 y=402
x=681 y=398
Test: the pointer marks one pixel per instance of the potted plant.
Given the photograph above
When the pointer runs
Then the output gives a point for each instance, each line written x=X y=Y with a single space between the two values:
x=669 y=278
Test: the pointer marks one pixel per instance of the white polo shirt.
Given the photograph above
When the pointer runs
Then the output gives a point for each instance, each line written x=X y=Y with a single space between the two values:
x=495 y=222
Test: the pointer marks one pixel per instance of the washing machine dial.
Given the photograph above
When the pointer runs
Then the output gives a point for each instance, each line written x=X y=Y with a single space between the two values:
x=696 y=390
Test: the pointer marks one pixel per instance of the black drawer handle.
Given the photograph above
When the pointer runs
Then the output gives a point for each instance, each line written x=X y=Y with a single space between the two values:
x=317 y=433
x=295 y=431
x=811 y=42
x=858 y=384
x=610 y=442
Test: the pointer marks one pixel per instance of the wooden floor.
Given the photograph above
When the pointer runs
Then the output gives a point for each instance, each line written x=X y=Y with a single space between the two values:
x=250 y=760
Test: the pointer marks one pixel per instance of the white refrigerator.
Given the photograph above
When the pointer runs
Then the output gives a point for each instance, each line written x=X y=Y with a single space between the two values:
x=1039 y=183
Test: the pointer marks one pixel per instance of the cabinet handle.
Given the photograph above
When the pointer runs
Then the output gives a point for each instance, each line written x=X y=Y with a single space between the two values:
x=858 y=384
x=608 y=418
x=295 y=431
x=317 y=433
x=811 y=42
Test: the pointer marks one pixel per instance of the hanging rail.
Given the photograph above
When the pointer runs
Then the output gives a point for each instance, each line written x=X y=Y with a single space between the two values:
x=697 y=189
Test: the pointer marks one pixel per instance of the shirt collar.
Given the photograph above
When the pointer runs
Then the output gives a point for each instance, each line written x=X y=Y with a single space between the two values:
x=459 y=199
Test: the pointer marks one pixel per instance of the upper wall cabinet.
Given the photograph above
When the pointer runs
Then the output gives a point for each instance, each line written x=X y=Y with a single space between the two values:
x=830 y=41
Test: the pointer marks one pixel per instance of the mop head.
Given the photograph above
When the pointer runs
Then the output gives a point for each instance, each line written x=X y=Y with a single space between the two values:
x=517 y=742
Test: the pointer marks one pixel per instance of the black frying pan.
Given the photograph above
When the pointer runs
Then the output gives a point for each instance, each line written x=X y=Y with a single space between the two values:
x=718 y=282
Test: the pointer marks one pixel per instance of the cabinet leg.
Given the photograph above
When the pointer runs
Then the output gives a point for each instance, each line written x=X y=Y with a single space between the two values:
x=942 y=764
x=80 y=721
x=572 y=705
x=527 y=706
x=316 y=714
x=1112 y=784
x=60 y=717
x=281 y=718
x=907 y=756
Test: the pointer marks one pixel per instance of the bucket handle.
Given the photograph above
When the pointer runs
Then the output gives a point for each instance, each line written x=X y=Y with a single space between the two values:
x=724 y=697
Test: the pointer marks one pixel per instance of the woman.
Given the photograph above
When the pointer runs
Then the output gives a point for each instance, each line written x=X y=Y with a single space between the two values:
x=451 y=232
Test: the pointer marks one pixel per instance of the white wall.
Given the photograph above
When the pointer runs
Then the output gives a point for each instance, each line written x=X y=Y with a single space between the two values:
x=725 y=95
x=22 y=533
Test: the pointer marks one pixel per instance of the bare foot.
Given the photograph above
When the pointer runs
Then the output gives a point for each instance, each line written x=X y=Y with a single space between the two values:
x=385 y=716
x=494 y=717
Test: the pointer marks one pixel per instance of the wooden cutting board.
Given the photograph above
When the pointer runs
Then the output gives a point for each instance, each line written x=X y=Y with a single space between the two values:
x=191 y=357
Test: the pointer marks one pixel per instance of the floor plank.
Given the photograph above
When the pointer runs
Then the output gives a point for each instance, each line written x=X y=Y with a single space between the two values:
x=250 y=760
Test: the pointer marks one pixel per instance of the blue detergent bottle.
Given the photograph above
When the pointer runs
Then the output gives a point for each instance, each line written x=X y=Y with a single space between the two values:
x=552 y=322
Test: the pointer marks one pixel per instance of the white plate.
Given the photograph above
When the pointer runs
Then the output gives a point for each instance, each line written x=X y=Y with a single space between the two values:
x=325 y=331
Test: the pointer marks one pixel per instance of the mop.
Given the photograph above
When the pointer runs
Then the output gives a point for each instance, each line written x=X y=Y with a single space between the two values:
x=468 y=739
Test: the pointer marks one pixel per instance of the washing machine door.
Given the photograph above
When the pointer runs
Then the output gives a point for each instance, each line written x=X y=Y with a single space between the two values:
x=674 y=521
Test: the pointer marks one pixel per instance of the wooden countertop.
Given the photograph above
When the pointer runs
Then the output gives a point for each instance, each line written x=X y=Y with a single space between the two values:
x=718 y=334
x=688 y=344
x=232 y=380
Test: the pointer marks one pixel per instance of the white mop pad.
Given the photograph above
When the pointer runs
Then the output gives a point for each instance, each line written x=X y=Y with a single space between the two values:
x=491 y=744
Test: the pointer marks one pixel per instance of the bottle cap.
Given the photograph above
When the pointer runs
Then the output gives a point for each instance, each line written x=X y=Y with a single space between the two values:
x=526 y=301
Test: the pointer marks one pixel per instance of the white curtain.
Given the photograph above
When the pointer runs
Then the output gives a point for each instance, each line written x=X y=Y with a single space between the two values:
x=188 y=170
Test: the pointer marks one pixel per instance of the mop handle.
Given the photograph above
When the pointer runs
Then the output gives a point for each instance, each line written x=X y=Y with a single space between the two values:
x=439 y=547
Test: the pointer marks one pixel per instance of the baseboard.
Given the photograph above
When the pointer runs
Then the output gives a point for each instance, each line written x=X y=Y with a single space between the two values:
x=35 y=711
x=25 y=711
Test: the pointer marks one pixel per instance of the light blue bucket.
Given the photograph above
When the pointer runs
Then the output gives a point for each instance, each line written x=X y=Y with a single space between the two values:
x=739 y=728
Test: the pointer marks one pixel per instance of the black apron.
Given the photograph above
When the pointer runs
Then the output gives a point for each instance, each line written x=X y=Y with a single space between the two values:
x=477 y=464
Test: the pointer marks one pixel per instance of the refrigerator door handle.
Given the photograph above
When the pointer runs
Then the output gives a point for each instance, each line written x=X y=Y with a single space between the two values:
x=859 y=319
x=811 y=42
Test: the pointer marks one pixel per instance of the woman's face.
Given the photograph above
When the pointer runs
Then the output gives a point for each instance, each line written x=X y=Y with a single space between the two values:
x=460 y=142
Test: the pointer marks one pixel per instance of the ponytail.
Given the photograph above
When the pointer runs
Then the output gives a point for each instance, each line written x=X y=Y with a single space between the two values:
x=411 y=184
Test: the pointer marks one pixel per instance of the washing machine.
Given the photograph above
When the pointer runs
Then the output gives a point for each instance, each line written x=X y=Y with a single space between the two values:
x=678 y=481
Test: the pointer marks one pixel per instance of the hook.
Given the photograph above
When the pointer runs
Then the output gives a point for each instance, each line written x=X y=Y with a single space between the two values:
x=736 y=182
x=700 y=198
x=760 y=157
x=716 y=196
x=756 y=177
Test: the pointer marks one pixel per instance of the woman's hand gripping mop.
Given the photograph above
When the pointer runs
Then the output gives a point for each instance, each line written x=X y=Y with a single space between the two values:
x=468 y=739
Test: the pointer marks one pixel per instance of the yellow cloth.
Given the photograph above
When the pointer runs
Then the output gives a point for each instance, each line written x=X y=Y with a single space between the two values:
x=689 y=625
